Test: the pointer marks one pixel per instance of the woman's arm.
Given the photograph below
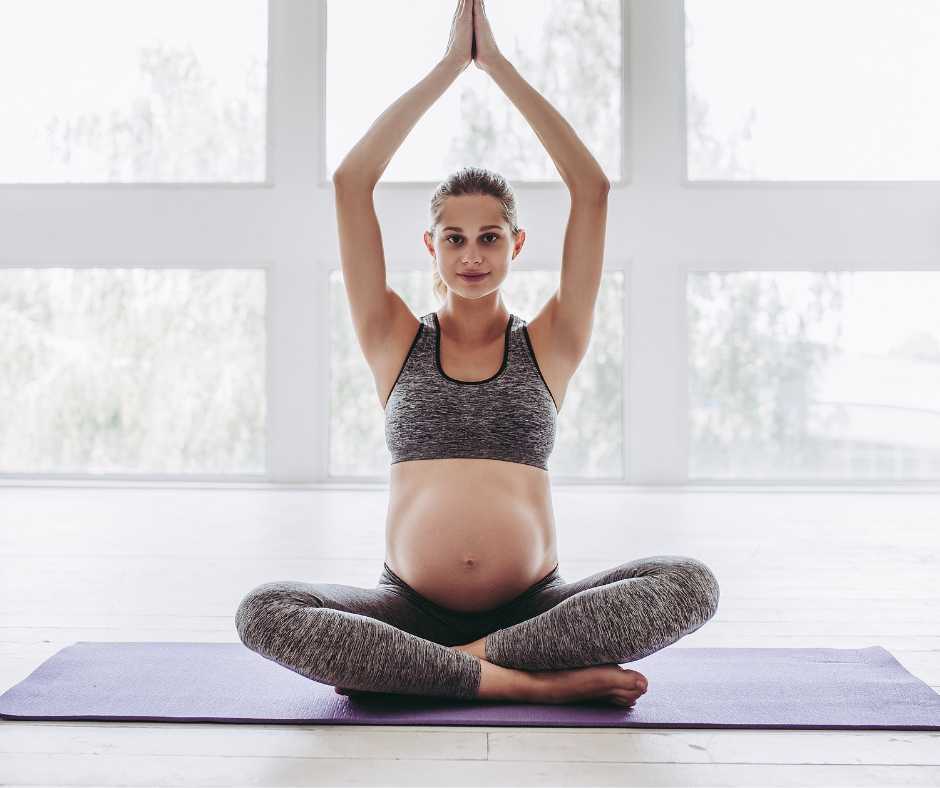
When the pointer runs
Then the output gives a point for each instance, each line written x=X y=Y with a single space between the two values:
x=368 y=158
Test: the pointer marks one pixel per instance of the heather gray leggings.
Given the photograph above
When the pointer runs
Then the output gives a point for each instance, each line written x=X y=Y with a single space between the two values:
x=392 y=639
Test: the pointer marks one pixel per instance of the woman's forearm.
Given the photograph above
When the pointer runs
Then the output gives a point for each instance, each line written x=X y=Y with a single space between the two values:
x=578 y=168
x=369 y=157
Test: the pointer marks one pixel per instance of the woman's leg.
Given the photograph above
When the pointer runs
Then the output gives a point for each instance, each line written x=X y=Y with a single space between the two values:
x=373 y=639
x=616 y=616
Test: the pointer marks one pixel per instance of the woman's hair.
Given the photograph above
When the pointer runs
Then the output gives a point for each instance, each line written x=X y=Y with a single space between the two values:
x=471 y=180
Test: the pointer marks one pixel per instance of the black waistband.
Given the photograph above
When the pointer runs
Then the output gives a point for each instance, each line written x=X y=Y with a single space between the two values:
x=538 y=585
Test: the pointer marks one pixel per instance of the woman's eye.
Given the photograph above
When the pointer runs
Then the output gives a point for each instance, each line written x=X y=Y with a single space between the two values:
x=451 y=237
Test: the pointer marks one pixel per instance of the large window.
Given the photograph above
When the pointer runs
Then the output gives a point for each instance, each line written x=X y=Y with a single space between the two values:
x=110 y=91
x=132 y=371
x=826 y=90
x=823 y=374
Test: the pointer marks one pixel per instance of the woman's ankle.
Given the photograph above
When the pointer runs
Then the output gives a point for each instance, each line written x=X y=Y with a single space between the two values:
x=499 y=683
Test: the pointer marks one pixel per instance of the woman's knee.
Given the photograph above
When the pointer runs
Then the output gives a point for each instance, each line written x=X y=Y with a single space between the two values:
x=701 y=583
x=262 y=606
x=695 y=584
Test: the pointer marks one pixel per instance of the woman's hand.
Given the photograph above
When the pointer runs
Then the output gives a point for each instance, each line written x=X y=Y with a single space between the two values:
x=486 y=53
x=460 y=46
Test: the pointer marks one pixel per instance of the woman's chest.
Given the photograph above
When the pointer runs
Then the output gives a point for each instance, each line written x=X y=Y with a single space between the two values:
x=528 y=346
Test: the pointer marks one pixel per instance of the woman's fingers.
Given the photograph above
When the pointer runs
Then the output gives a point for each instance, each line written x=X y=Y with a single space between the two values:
x=486 y=53
x=461 y=33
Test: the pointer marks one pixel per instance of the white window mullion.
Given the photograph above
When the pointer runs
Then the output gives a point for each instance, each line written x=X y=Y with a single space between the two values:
x=302 y=234
x=644 y=230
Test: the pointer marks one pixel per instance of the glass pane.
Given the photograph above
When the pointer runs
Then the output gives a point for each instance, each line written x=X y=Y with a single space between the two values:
x=132 y=371
x=107 y=91
x=796 y=374
x=841 y=90
x=570 y=52
x=589 y=431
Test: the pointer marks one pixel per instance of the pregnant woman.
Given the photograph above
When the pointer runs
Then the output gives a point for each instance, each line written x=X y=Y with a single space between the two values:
x=470 y=603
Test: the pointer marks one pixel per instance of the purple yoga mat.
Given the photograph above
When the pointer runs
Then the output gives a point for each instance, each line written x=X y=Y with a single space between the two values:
x=810 y=688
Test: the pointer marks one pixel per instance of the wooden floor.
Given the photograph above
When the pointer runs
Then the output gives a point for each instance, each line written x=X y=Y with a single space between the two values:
x=814 y=569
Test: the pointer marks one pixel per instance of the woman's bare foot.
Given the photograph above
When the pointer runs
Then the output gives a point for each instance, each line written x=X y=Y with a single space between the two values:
x=606 y=682
x=621 y=686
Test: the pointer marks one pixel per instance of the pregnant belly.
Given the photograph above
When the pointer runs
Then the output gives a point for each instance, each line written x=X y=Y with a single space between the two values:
x=470 y=535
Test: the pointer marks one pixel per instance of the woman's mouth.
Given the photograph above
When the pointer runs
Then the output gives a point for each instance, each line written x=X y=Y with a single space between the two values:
x=470 y=278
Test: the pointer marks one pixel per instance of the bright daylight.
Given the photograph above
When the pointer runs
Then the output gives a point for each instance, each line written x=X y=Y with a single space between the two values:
x=469 y=393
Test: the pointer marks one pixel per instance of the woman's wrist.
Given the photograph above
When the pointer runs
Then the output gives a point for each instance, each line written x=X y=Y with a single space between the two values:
x=451 y=65
x=499 y=63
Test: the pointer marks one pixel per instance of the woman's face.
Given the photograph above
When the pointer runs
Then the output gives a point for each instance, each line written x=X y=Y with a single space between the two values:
x=473 y=238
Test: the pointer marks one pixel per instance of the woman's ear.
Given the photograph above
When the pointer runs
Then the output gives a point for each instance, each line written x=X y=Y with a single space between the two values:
x=517 y=246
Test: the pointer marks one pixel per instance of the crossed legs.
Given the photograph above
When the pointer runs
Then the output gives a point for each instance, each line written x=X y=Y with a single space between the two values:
x=387 y=640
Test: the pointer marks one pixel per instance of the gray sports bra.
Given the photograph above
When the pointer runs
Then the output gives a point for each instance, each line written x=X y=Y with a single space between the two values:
x=509 y=416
